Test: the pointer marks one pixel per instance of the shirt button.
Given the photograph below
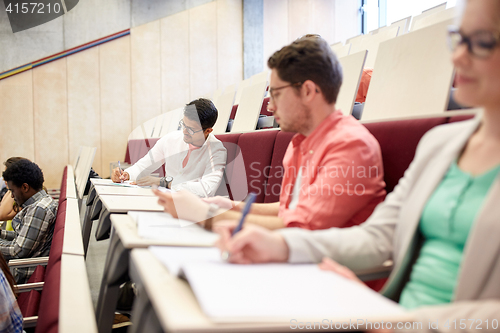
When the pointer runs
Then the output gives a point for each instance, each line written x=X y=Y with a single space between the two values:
x=311 y=151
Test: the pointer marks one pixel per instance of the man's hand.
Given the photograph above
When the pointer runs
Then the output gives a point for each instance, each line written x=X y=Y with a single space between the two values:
x=183 y=205
x=148 y=181
x=253 y=244
x=118 y=177
x=222 y=202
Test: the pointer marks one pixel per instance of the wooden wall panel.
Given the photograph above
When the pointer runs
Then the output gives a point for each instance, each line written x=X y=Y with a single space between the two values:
x=16 y=123
x=50 y=103
x=146 y=72
x=203 y=49
x=115 y=99
x=84 y=116
x=275 y=26
x=229 y=42
x=175 y=61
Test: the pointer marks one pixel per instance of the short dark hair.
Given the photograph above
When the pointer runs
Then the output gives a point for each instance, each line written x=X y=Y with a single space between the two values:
x=309 y=58
x=204 y=111
x=11 y=160
x=24 y=171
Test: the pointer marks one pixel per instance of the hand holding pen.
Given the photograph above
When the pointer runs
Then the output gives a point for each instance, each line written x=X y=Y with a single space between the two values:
x=250 y=200
x=118 y=175
x=121 y=172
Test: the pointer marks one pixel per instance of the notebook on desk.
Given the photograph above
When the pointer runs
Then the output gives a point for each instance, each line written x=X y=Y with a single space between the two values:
x=162 y=226
x=272 y=292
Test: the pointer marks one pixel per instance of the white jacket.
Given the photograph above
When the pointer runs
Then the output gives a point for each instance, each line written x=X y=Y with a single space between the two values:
x=203 y=172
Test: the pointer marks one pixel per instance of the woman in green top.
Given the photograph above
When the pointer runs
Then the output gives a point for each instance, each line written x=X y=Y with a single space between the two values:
x=441 y=224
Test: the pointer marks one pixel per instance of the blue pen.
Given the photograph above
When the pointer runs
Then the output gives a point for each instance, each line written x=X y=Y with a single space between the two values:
x=120 y=169
x=246 y=210
x=250 y=200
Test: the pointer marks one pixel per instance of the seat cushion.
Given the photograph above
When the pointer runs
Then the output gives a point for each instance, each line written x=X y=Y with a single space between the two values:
x=137 y=149
x=230 y=142
x=29 y=302
x=63 y=190
x=55 y=250
x=263 y=109
x=256 y=149
x=48 y=314
x=233 y=111
x=275 y=177
x=398 y=141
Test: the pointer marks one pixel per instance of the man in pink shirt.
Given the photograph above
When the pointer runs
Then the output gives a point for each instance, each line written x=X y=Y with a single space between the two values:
x=333 y=172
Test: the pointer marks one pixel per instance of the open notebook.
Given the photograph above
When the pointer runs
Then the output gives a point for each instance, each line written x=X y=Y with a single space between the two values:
x=271 y=292
x=162 y=226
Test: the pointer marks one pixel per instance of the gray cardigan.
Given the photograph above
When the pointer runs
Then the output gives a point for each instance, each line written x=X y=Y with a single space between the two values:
x=391 y=233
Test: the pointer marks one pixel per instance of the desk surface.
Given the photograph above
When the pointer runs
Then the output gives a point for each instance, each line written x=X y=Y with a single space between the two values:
x=180 y=311
x=126 y=229
x=125 y=203
x=99 y=181
x=119 y=190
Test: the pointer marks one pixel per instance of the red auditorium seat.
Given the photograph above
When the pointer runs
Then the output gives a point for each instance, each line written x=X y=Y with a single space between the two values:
x=273 y=188
x=256 y=148
x=398 y=141
x=48 y=315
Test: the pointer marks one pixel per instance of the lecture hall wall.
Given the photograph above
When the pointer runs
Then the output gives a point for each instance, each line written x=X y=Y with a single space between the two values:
x=97 y=96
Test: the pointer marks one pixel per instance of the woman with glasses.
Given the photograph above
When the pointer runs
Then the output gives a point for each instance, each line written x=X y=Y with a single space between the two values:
x=441 y=224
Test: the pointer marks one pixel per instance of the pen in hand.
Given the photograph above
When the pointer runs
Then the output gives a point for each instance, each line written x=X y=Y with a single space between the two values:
x=120 y=170
x=250 y=200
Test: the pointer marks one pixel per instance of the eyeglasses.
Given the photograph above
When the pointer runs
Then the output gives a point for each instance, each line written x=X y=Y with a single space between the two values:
x=190 y=130
x=272 y=91
x=480 y=43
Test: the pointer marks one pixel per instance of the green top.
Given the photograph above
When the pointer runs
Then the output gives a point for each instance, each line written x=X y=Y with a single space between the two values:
x=445 y=224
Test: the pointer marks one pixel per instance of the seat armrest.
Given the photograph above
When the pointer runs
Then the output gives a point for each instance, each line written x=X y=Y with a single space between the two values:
x=29 y=322
x=28 y=262
x=375 y=273
x=26 y=287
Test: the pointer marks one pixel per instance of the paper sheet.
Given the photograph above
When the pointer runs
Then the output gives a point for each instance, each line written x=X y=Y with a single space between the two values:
x=175 y=257
x=162 y=226
x=281 y=292
x=109 y=182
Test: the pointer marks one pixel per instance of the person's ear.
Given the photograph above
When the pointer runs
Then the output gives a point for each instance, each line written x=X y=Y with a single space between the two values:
x=309 y=89
x=25 y=188
x=209 y=130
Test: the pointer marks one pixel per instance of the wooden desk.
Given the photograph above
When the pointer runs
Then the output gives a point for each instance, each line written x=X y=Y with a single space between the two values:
x=100 y=187
x=76 y=313
x=119 y=190
x=412 y=76
x=352 y=67
x=125 y=203
x=72 y=243
x=124 y=238
x=169 y=302
x=121 y=204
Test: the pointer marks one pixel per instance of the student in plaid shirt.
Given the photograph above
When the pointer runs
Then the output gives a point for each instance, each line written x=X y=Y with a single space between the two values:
x=34 y=224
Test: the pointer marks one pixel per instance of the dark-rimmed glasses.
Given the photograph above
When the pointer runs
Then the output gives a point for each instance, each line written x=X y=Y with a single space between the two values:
x=190 y=130
x=480 y=43
x=272 y=91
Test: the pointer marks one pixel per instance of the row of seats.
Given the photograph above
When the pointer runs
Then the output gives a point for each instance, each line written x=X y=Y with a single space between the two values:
x=56 y=298
x=262 y=154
